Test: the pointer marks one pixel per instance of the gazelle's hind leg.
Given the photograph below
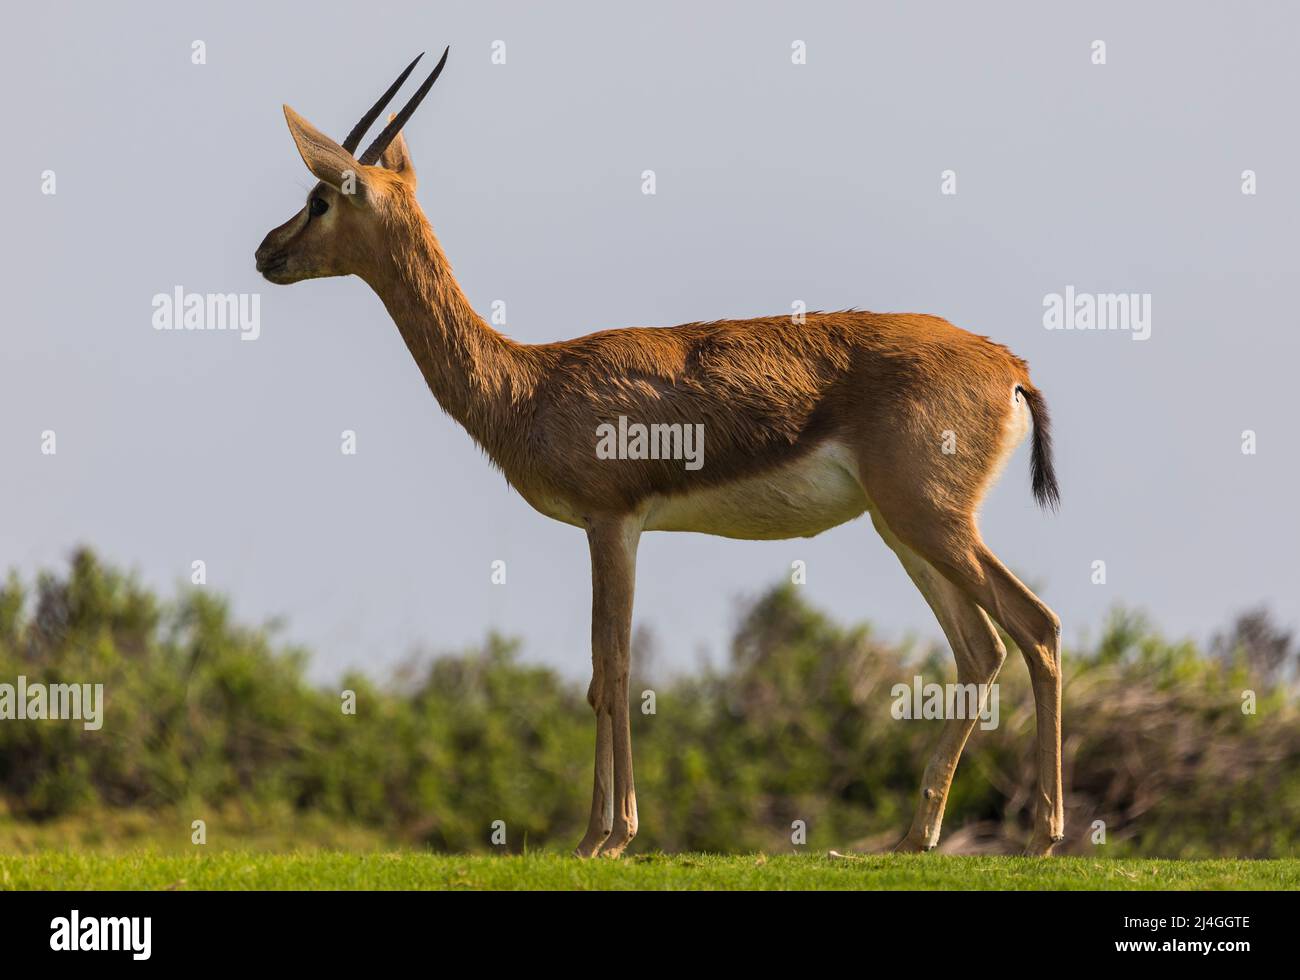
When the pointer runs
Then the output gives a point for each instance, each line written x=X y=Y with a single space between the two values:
x=979 y=653
x=1037 y=631
x=952 y=544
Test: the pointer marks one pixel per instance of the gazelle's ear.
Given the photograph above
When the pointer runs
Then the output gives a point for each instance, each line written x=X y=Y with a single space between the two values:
x=326 y=159
x=397 y=158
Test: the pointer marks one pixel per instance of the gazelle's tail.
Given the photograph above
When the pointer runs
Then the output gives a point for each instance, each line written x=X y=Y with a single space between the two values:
x=1046 y=492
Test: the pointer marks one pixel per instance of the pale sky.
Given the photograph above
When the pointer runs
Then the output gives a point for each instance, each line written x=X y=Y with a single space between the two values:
x=776 y=183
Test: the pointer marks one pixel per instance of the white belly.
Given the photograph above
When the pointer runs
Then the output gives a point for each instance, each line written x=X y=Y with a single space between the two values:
x=804 y=498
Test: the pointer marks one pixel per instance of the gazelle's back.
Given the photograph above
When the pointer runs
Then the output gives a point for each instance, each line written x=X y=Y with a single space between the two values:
x=849 y=387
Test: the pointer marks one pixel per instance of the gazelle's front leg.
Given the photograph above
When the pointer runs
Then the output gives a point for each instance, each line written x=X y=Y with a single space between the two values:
x=613 y=544
x=601 y=821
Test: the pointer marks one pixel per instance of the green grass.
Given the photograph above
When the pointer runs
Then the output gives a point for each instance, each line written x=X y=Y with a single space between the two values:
x=413 y=870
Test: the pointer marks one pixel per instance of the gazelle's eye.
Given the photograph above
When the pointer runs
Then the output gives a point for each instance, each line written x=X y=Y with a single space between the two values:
x=318 y=206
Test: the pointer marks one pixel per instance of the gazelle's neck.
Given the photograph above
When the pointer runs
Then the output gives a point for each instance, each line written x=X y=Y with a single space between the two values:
x=480 y=378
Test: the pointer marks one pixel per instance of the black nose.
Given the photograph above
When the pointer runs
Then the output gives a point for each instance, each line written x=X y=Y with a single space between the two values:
x=268 y=260
x=266 y=255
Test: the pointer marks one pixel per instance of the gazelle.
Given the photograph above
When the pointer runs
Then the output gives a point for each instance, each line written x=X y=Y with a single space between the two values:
x=808 y=425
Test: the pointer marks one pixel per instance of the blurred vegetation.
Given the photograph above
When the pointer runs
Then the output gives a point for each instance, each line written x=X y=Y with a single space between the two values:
x=209 y=719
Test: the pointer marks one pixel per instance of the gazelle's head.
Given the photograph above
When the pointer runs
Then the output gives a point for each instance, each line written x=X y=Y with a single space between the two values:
x=343 y=228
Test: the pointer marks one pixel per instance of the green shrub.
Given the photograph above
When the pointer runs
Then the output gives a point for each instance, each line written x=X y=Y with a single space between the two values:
x=203 y=712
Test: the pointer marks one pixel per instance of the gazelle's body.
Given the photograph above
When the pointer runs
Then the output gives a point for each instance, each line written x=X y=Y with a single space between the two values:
x=805 y=426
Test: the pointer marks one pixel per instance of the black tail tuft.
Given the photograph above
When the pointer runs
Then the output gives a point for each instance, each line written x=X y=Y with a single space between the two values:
x=1046 y=492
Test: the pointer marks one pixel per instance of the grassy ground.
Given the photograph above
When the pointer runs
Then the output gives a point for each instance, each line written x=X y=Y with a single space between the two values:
x=413 y=870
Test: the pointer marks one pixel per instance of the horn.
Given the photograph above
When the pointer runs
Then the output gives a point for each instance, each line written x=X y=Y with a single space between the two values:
x=359 y=130
x=377 y=148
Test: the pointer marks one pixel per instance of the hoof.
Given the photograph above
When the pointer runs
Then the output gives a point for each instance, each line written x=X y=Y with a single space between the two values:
x=589 y=846
x=912 y=845
x=616 y=844
x=1040 y=846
